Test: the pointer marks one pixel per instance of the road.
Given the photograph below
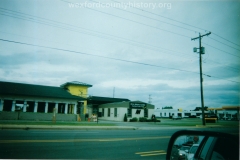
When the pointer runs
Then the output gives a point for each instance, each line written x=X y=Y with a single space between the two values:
x=87 y=144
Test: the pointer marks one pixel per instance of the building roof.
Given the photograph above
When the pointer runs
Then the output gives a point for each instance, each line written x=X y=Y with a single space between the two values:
x=21 y=89
x=75 y=83
x=94 y=100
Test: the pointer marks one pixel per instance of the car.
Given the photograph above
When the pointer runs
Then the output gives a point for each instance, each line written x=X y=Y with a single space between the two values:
x=192 y=151
x=182 y=152
x=176 y=117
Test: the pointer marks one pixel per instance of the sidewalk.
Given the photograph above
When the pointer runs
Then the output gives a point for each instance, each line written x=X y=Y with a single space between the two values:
x=116 y=126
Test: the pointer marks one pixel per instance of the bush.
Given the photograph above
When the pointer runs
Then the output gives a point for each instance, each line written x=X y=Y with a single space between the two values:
x=135 y=119
x=125 y=118
x=142 y=119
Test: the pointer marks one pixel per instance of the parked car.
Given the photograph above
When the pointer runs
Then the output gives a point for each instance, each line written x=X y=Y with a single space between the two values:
x=176 y=117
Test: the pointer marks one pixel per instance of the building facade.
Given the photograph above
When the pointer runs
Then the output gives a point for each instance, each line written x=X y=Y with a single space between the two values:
x=117 y=111
x=29 y=98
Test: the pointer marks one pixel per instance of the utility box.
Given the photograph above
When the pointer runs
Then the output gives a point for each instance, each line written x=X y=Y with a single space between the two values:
x=203 y=50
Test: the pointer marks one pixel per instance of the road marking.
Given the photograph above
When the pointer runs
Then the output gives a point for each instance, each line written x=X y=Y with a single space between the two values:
x=62 y=132
x=106 y=140
x=80 y=140
x=151 y=153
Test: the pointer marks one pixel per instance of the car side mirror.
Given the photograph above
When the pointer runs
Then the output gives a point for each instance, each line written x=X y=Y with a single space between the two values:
x=202 y=145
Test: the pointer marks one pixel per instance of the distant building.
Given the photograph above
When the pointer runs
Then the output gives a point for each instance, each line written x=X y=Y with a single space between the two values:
x=224 y=113
x=116 y=111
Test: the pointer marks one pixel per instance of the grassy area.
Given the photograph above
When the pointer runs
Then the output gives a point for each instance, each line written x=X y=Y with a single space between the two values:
x=57 y=123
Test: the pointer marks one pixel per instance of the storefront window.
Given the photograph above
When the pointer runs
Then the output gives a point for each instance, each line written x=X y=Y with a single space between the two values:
x=145 y=112
x=108 y=112
x=129 y=112
x=115 y=112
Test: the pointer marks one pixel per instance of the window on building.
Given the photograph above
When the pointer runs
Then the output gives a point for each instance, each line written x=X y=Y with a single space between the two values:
x=102 y=112
x=164 y=114
x=115 y=112
x=129 y=112
x=108 y=112
x=138 y=111
x=145 y=112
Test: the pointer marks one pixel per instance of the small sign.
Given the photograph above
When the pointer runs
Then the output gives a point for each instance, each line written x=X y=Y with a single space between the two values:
x=137 y=105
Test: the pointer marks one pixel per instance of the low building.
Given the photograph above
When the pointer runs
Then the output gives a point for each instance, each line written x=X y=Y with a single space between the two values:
x=95 y=101
x=116 y=111
x=224 y=113
x=168 y=113
x=30 y=98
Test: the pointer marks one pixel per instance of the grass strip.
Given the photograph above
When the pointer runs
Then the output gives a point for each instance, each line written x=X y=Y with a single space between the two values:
x=58 y=123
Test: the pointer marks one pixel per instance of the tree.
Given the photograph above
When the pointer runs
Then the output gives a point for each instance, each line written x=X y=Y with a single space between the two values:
x=125 y=118
x=200 y=108
x=167 y=107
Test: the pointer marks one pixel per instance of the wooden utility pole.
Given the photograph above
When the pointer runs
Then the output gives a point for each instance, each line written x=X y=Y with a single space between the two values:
x=201 y=51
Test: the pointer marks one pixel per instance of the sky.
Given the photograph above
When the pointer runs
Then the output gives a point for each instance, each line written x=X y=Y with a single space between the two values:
x=135 y=49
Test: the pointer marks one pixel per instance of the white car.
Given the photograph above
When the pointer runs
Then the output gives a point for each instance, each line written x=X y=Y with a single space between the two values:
x=182 y=152
x=192 y=151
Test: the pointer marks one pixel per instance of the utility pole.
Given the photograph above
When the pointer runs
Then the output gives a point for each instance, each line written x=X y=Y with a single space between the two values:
x=201 y=51
x=113 y=91
x=150 y=99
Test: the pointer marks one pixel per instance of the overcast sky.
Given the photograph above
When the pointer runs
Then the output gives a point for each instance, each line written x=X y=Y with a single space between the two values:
x=140 y=48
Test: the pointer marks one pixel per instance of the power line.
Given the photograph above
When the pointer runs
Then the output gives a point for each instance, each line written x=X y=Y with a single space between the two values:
x=221 y=50
x=150 y=25
x=95 y=55
x=149 y=17
x=116 y=38
x=101 y=36
x=178 y=22
x=164 y=17
x=223 y=43
x=117 y=59
x=226 y=39
x=46 y=23
x=134 y=21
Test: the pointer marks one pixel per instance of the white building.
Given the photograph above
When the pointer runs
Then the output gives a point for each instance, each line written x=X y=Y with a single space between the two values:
x=166 y=113
x=224 y=113
x=116 y=111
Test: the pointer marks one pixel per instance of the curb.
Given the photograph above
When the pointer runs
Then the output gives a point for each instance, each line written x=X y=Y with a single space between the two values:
x=27 y=127
x=214 y=126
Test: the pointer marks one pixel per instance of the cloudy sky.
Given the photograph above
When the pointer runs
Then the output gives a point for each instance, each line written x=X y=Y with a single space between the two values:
x=129 y=49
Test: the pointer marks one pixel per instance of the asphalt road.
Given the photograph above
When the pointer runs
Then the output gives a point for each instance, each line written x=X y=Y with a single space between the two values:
x=88 y=144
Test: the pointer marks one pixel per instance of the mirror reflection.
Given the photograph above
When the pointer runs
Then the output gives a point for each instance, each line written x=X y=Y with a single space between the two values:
x=185 y=147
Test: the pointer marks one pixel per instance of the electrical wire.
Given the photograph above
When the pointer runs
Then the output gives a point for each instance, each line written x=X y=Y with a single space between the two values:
x=171 y=19
x=135 y=21
x=117 y=59
x=136 y=43
x=149 y=17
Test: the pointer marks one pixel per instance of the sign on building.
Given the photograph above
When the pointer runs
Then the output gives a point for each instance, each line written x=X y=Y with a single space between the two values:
x=137 y=105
